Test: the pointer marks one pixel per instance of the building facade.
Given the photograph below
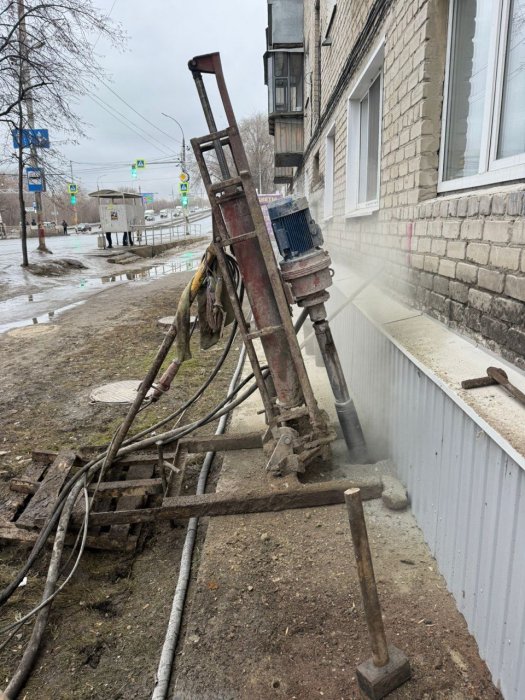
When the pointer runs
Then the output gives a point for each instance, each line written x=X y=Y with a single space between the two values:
x=403 y=122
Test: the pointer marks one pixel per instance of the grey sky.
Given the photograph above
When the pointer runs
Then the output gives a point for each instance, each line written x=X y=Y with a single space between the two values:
x=151 y=74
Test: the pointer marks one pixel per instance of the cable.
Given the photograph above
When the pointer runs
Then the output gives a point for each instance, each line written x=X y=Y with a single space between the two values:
x=177 y=608
x=94 y=99
x=138 y=113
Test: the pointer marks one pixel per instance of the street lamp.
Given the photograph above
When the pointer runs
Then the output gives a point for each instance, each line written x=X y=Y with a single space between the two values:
x=183 y=162
x=183 y=157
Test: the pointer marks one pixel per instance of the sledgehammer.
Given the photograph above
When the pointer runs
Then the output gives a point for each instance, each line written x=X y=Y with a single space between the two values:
x=495 y=375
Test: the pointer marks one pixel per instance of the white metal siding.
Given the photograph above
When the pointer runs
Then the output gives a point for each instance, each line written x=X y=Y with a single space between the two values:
x=466 y=485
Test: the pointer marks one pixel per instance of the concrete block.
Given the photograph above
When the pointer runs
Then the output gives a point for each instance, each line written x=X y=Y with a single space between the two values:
x=485 y=202
x=423 y=244
x=516 y=341
x=451 y=229
x=417 y=261
x=394 y=494
x=498 y=204
x=515 y=287
x=514 y=204
x=478 y=253
x=494 y=329
x=473 y=206
x=505 y=258
x=453 y=207
x=467 y=273
x=462 y=209
x=439 y=303
x=457 y=312
x=456 y=249
x=497 y=231
x=491 y=279
x=472 y=230
x=517 y=235
x=431 y=263
x=479 y=300
x=458 y=291
x=439 y=246
x=441 y=285
x=435 y=228
x=473 y=319
x=447 y=268
x=508 y=310
x=426 y=280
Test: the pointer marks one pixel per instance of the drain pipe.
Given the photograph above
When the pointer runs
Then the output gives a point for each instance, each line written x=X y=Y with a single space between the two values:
x=172 y=635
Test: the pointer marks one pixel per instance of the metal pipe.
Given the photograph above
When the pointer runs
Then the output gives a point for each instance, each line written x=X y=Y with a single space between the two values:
x=210 y=121
x=344 y=406
x=365 y=572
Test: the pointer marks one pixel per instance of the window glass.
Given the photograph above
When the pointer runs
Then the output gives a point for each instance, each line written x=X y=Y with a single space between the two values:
x=512 y=121
x=281 y=64
x=467 y=87
x=374 y=108
x=296 y=82
x=281 y=94
x=363 y=149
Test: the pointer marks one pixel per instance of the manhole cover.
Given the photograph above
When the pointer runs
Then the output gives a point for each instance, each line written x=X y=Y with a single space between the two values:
x=37 y=329
x=116 y=392
x=168 y=320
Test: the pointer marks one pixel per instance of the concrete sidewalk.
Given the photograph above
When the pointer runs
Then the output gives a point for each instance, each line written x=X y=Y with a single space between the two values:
x=275 y=610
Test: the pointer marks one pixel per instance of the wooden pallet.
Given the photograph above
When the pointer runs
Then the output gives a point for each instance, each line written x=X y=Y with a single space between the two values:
x=130 y=484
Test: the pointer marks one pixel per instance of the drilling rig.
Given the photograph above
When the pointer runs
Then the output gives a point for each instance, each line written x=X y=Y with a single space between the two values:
x=298 y=430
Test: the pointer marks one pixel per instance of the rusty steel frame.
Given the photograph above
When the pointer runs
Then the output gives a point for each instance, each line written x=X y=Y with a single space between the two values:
x=234 y=201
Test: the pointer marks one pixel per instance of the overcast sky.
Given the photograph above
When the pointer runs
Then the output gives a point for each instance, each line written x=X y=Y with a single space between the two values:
x=151 y=74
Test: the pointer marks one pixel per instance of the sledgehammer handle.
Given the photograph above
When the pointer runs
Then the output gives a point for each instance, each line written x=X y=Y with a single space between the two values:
x=501 y=378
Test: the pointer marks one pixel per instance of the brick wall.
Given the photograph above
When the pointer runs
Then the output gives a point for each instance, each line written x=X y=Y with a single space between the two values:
x=459 y=257
x=467 y=266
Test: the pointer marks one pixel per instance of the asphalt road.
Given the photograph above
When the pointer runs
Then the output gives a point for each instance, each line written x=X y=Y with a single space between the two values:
x=26 y=298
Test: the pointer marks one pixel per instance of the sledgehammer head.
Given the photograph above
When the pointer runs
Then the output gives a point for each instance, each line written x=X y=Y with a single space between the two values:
x=377 y=681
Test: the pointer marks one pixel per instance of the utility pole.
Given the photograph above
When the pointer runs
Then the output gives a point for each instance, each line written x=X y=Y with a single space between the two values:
x=25 y=78
x=33 y=157
x=75 y=214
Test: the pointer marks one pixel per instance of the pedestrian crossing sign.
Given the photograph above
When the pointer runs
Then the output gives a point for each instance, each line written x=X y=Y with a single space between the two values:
x=184 y=187
x=72 y=188
x=141 y=163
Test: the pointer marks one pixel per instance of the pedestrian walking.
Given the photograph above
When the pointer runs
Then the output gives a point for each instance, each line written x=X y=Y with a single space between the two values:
x=64 y=226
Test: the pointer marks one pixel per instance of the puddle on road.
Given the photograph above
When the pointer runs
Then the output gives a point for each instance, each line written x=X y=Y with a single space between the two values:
x=43 y=318
x=183 y=263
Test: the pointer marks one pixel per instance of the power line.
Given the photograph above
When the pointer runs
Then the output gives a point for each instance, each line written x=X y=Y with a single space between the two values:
x=131 y=128
x=138 y=113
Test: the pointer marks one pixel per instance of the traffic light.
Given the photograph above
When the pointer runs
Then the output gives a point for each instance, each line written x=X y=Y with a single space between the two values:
x=184 y=200
x=73 y=199
x=133 y=170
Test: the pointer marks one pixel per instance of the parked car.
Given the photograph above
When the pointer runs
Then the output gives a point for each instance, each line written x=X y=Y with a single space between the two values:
x=193 y=210
x=83 y=228
x=164 y=213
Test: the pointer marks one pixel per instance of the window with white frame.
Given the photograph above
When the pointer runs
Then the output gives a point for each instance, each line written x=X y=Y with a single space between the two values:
x=329 y=163
x=483 y=139
x=364 y=139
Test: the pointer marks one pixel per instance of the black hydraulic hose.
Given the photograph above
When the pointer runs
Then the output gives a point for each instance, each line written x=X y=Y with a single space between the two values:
x=90 y=469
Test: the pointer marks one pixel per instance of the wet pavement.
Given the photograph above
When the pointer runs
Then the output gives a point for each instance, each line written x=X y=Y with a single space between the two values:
x=26 y=299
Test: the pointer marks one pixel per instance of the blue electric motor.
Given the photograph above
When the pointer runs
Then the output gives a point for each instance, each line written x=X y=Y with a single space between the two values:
x=295 y=231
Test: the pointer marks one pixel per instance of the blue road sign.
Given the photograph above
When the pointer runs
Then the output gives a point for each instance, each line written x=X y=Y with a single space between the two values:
x=35 y=179
x=39 y=138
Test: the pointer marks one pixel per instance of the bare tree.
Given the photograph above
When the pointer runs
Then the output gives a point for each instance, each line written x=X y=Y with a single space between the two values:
x=259 y=148
x=47 y=60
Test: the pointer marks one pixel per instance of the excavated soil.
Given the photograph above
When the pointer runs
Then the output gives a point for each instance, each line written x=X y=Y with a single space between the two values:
x=274 y=610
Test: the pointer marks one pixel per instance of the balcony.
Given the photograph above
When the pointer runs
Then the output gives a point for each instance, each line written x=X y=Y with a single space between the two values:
x=283 y=176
